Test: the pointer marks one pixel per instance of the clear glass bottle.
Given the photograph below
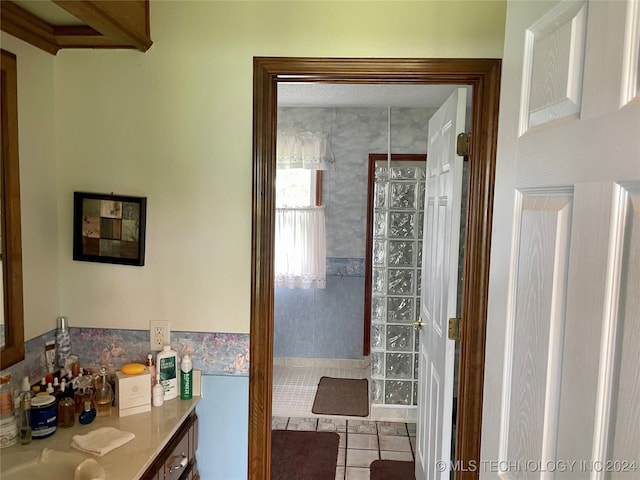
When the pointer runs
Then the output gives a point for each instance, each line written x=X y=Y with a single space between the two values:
x=88 y=415
x=152 y=369
x=7 y=391
x=83 y=392
x=104 y=395
x=24 y=421
x=66 y=410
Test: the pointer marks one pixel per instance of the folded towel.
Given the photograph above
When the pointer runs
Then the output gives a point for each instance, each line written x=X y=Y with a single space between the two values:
x=101 y=440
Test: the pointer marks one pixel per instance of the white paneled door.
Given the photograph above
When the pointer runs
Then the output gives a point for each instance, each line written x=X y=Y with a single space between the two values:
x=562 y=370
x=439 y=289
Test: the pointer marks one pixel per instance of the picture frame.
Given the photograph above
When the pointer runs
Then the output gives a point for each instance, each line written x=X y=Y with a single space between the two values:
x=109 y=228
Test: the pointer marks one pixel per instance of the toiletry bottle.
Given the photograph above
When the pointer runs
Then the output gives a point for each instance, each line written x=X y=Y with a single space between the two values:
x=26 y=386
x=186 y=377
x=24 y=422
x=157 y=394
x=63 y=342
x=50 y=356
x=66 y=409
x=83 y=392
x=152 y=370
x=88 y=415
x=6 y=397
x=167 y=370
x=104 y=395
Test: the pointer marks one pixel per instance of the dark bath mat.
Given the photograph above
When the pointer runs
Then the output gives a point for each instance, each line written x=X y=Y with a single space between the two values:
x=297 y=455
x=392 y=470
x=342 y=396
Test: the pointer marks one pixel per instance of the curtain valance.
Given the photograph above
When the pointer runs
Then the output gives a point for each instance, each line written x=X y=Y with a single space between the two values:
x=302 y=149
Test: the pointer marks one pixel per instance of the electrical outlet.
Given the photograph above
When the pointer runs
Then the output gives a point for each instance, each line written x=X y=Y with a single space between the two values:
x=159 y=334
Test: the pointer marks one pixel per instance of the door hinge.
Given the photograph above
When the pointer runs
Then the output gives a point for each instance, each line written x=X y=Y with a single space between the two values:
x=453 y=331
x=463 y=144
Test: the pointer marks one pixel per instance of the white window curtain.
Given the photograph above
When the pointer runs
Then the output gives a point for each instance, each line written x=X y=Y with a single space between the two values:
x=300 y=248
x=296 y=149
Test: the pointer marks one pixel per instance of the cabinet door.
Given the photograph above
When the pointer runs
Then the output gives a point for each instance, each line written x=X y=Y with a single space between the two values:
x=178 y=460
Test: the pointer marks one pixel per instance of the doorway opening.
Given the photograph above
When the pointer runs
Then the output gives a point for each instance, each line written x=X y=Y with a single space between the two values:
x=483 y=75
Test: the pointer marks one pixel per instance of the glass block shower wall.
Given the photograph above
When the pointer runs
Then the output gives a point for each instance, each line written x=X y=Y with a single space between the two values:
x=397 y=258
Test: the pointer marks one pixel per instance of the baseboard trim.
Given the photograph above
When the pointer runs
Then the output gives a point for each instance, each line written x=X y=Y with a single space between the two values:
x=321 y=362
x=394 y=413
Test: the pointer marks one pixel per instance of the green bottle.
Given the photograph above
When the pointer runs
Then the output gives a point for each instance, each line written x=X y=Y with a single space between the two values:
x=186 y=378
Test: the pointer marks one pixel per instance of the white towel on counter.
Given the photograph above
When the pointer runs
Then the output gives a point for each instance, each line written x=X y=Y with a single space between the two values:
x=101 y=440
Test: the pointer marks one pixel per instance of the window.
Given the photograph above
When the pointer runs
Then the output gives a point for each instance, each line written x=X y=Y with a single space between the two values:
x=297 y=187
x=300 y=243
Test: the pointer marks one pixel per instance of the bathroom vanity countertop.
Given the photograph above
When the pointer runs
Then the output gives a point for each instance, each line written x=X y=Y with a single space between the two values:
x=153 y=430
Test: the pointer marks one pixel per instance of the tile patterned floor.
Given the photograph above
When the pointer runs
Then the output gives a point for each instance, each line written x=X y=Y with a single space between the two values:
x=361 y=440
x=294 y=388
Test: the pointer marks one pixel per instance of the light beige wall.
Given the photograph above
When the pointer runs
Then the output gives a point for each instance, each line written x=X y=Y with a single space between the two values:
x=175 y=124
x=36 y=123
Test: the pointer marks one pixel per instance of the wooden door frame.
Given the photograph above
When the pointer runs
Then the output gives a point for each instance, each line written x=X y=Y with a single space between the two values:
x=484 y=76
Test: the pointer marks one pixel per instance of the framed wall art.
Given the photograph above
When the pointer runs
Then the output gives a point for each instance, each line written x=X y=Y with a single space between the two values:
x=109 y=228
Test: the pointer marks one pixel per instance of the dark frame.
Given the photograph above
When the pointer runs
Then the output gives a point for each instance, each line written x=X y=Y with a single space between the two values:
x=109 y=228
x=10 y=222
x=373 y=158
x=484 y=76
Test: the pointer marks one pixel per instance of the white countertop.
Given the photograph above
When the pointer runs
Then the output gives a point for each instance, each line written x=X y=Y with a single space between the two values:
x=153 y=430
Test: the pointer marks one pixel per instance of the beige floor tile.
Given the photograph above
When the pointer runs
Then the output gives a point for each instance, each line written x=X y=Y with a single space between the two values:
x=306 y=424
x=279 y=423
x=362 y=441
x=392 y=428
x=361 y=458
x=343 y=440
x=340 y=473
x=332 y=425
x=327 y=427
x=354 y=473
x=362 y=426
x=404 y=456
x=395 y=444
x=341 y=456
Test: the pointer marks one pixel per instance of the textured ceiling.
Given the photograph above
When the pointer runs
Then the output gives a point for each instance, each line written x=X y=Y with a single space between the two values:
x=365 y=95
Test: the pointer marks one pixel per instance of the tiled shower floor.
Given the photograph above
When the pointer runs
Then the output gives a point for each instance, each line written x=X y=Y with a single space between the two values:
x=361 y=440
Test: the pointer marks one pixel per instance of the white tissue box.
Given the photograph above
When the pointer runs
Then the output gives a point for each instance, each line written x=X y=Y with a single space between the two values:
x=133 y=392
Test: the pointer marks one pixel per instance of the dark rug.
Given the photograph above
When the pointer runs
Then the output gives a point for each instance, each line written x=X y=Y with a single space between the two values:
x=297 y=455
x=342 y=396
x=392 y=470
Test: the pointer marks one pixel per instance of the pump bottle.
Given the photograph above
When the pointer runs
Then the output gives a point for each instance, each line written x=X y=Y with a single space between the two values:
x=167 y=370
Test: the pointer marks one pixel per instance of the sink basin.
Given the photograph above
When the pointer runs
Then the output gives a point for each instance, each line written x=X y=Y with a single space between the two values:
x=52 y=464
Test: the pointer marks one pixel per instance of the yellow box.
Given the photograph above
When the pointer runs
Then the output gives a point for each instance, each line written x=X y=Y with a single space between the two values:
x=133 y=393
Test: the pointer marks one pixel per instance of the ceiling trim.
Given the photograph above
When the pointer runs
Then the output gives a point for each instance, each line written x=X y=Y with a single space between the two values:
x=108 y=25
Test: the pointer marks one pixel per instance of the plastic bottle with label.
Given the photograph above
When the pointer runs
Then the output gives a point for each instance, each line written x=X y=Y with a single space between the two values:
x=157 y=394
x=167 y=370
x=186 y=377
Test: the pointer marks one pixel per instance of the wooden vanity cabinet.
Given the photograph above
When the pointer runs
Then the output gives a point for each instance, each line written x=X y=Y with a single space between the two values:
x=177 y=461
